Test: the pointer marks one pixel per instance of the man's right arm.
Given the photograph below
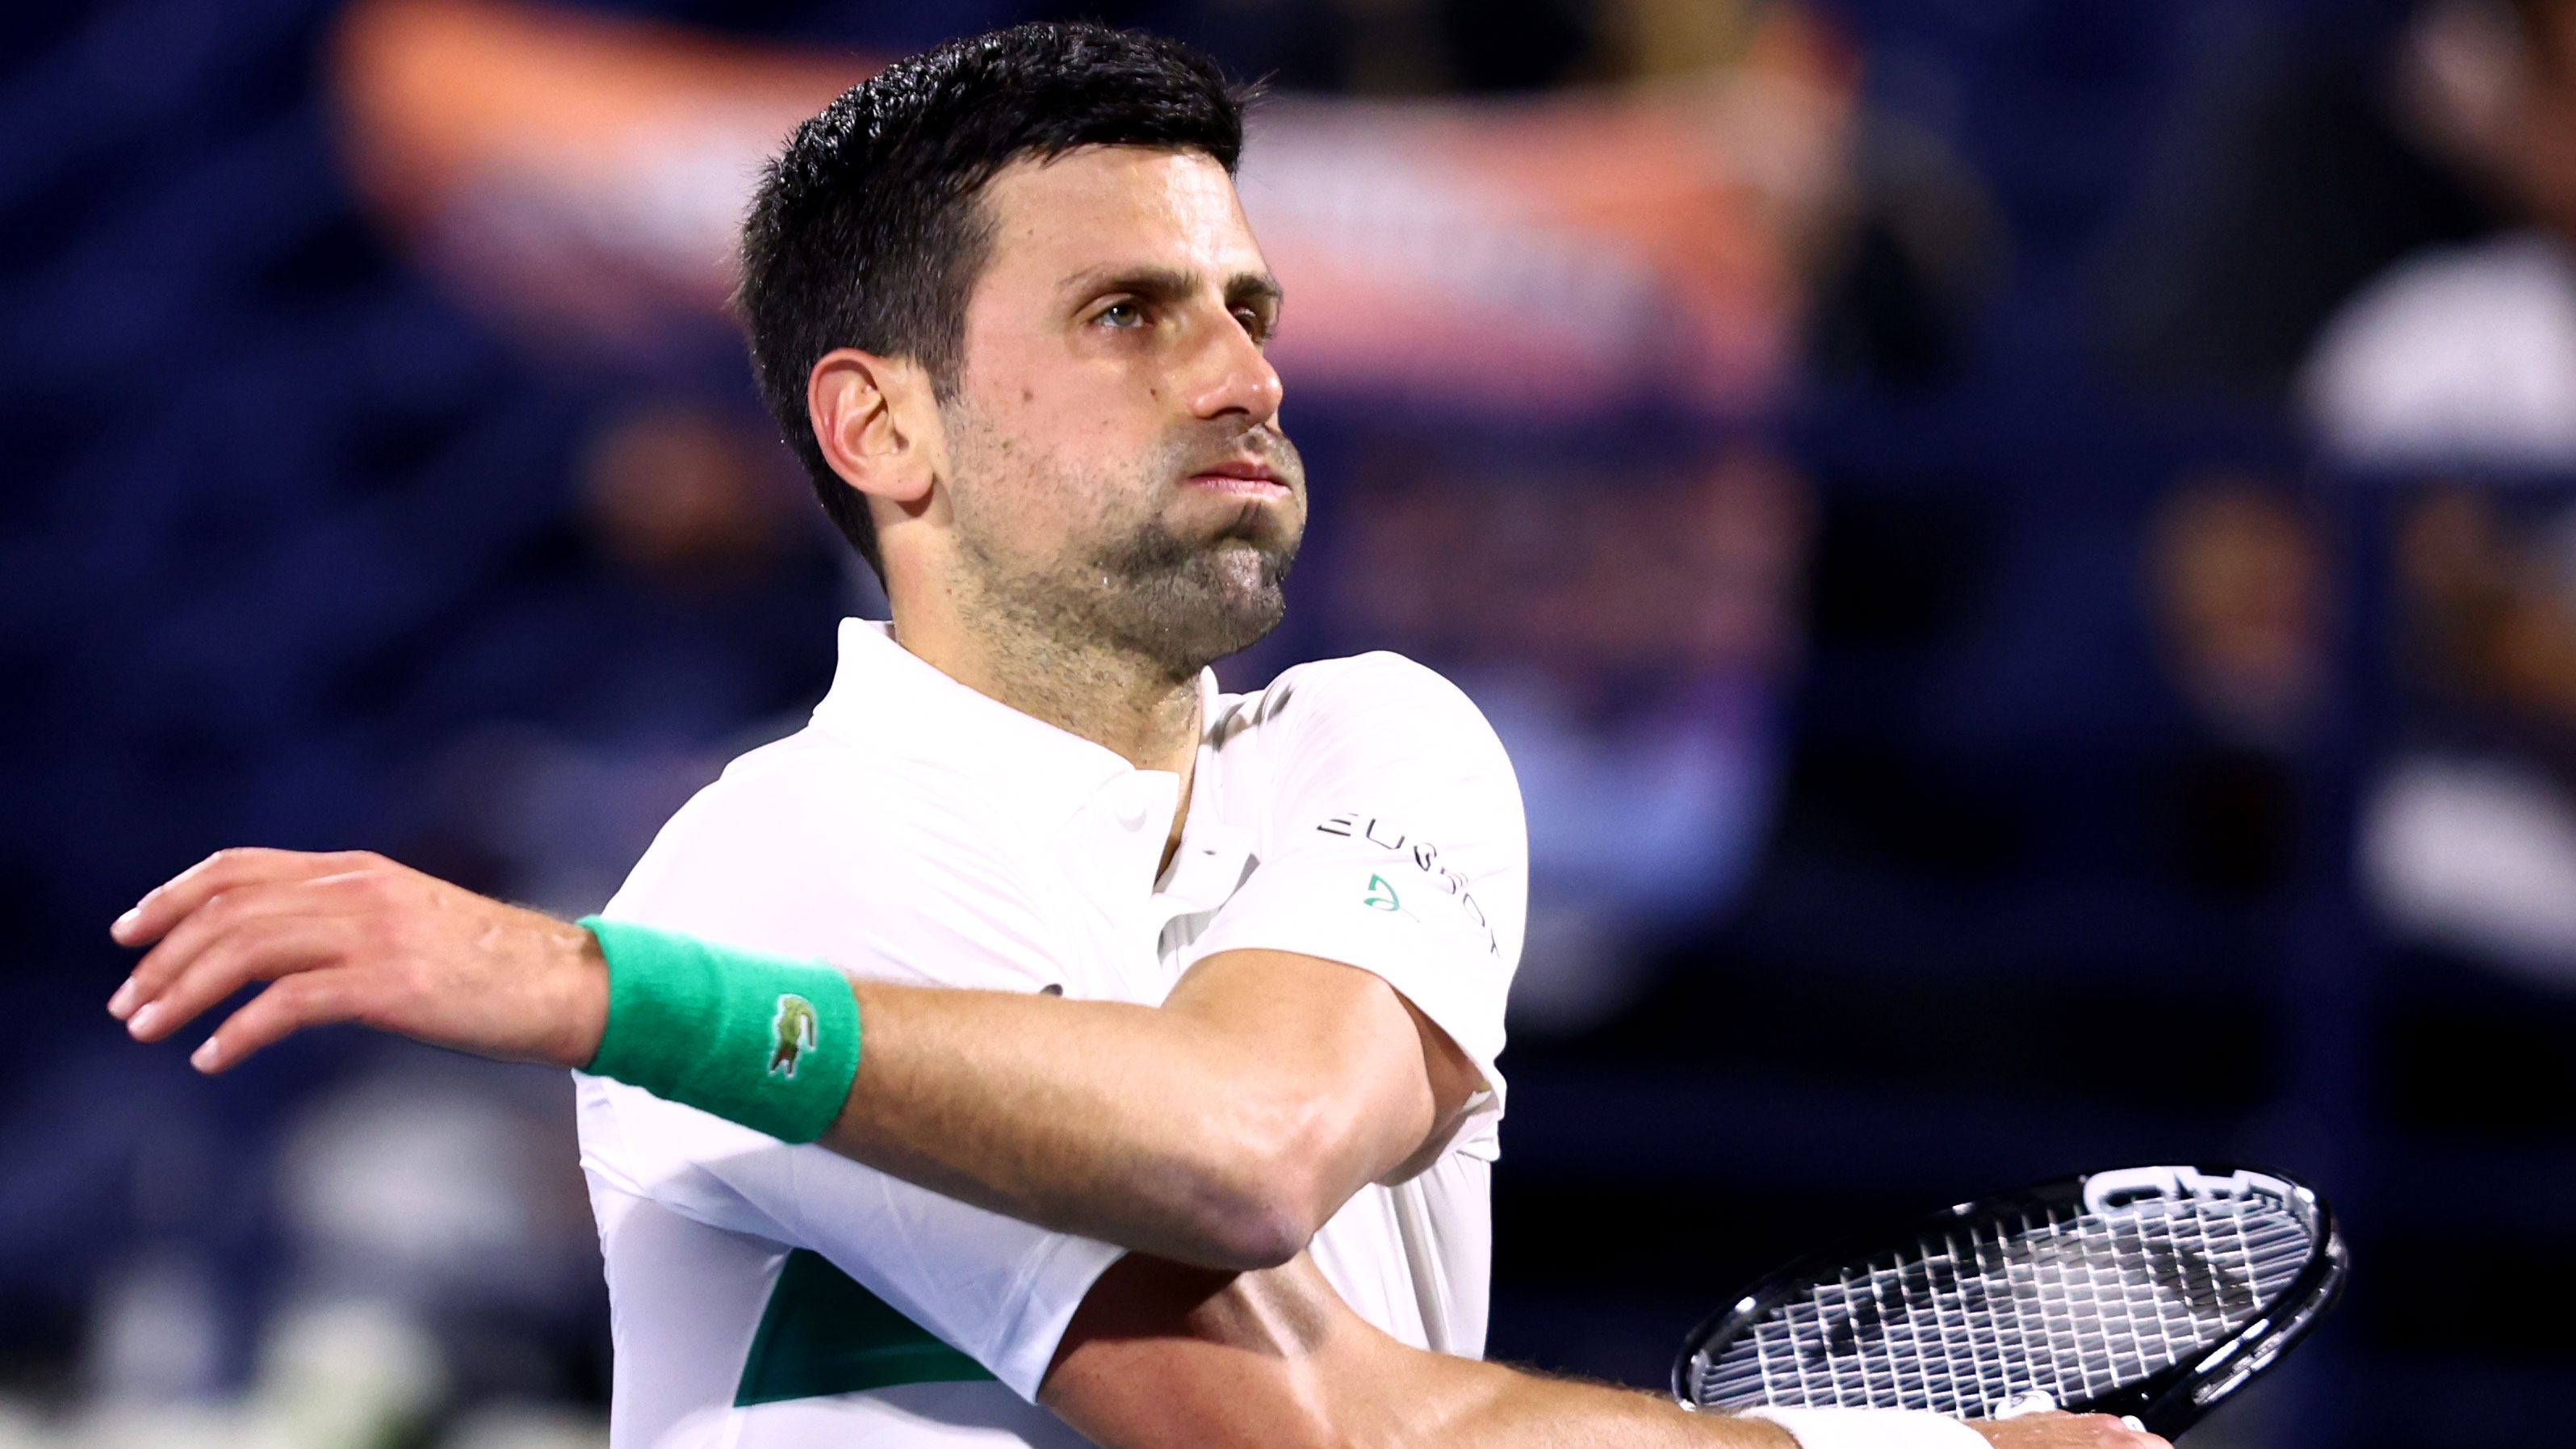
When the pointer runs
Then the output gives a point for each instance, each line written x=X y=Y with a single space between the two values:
x=1162 y=1356
x=1312 y=1044
x=1308 y=1078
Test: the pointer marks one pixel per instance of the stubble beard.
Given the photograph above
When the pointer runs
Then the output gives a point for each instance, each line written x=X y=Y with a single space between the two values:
x=1184 y=606
x=1140 y=588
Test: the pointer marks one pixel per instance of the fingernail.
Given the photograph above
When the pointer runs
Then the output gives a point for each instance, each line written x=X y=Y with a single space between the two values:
x=121 y=1005
x=126 y=922
x=205 y=1056
x=141 y=1021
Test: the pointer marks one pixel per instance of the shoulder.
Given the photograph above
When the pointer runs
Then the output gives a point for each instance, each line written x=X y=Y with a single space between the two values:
x=1379 y=733
x=1378 y=691
x=813 y=847
x=814 y=794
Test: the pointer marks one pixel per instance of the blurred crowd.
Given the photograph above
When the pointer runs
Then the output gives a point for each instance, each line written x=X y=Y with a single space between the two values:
x=1937 y=500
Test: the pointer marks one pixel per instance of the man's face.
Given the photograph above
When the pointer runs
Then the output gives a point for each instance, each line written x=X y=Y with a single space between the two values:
x=1117 y=473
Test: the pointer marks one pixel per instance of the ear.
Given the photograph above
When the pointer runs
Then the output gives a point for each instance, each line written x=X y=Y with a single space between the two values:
x=877 y=422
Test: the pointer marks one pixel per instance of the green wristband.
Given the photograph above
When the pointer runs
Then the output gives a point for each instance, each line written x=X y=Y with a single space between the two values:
x=761 y=1040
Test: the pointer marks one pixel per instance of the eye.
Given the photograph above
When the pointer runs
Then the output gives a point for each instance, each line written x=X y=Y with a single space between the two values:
x=1127 y=312
x=1255 y=325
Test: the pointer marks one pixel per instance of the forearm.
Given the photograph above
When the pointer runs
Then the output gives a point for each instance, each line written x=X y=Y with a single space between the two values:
x=1060 y=1113
x=1180 y=1131
x=1166 y=1357
x=1162 y=1356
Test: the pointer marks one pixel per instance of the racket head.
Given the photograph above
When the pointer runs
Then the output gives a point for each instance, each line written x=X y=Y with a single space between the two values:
x=2148 y=1291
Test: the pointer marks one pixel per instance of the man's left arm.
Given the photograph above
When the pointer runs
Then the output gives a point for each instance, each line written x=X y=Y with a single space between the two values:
x=1221 y=1128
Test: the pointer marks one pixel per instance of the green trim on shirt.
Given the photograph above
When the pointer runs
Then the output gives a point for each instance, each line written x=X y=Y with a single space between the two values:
x=824 y=1334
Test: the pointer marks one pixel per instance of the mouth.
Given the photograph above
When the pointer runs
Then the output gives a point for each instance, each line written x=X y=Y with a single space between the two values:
x=1239 y=479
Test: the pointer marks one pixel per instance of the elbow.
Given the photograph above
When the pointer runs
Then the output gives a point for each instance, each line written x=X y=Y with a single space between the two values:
x=1266 y=1200
x=1251 y=1236
x=1263 y=1216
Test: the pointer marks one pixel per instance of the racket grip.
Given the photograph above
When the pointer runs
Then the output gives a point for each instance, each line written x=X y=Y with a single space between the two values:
x=2037 y=1401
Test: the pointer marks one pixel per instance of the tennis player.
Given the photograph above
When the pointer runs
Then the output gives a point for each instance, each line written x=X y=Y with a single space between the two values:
x=1153 y=1079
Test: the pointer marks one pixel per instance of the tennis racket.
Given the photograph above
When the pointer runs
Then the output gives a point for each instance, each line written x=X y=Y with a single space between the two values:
x=2148 y=1292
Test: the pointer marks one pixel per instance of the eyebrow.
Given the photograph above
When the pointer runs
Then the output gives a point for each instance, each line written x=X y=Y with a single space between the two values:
x=1167 y=283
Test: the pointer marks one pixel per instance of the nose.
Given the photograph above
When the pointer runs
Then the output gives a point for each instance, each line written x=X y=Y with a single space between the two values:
x=1233 y=377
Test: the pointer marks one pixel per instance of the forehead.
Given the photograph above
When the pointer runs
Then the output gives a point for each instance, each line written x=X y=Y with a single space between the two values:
x=1116 y=206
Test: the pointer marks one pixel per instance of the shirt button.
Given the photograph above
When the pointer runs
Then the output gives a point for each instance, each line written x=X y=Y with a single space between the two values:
x=1131 y=813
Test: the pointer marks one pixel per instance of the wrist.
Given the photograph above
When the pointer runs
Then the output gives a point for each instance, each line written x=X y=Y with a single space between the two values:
x=764 y=1041
x=581 y=1007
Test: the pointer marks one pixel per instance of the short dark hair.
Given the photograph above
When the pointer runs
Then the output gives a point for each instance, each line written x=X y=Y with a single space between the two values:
x=869 y=230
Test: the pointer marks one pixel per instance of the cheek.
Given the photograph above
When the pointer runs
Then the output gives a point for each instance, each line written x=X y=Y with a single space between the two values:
x=1085 y=439
x=1055 y=408
x=1031 y=479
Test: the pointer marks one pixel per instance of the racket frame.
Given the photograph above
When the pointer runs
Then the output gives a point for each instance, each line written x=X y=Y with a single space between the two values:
x=2168 y=1401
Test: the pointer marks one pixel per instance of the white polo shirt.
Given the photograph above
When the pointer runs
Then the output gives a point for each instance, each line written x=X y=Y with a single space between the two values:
x=763 y=1295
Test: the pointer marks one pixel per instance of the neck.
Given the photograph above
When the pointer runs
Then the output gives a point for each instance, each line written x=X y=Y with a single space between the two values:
x=1130 y=706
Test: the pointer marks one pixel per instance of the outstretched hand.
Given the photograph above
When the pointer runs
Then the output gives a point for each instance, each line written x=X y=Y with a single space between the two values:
x=352 y=936
x=2064 y=1431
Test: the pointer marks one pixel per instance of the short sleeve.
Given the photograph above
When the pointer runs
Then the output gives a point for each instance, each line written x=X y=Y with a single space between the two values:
x=1395 y=844
x=772 y=859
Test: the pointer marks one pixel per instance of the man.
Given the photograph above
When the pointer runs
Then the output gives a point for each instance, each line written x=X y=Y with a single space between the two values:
x=1199 y=1155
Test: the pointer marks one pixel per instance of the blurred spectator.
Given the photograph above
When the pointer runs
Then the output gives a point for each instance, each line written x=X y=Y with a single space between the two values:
x=2239 y=590
x=2466 y=355
x=2239 y=594
x=2461 y=359
x=2388 y=230
x=2293 y=172
x=2471 y=838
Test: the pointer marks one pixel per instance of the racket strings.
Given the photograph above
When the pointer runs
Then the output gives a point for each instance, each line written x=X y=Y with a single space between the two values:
x=2071 y=1302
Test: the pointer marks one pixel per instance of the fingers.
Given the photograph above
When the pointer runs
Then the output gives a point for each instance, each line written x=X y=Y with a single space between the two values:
x=2053 y=1430
x=2112 y=1433
x=2107 y=1432
x=287 y=1006
x=171 y=902
x=250 y=944
x=201 y=905
x=354 y=936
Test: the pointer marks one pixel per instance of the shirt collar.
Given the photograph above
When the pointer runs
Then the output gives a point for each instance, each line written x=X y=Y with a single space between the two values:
x=887 y=699
x=1214 y=847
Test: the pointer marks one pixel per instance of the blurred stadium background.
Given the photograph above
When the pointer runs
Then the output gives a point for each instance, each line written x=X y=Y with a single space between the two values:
x=2022 y=548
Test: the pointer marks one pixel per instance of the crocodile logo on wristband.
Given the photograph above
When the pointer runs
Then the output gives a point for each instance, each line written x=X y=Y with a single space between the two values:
x=793 y=1030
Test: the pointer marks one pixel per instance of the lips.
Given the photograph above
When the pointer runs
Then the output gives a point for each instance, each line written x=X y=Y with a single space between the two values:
x=1240 y=479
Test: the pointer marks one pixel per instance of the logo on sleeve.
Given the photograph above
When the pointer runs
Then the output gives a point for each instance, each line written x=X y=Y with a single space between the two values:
x=1423 y=856
x=793 y=1029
